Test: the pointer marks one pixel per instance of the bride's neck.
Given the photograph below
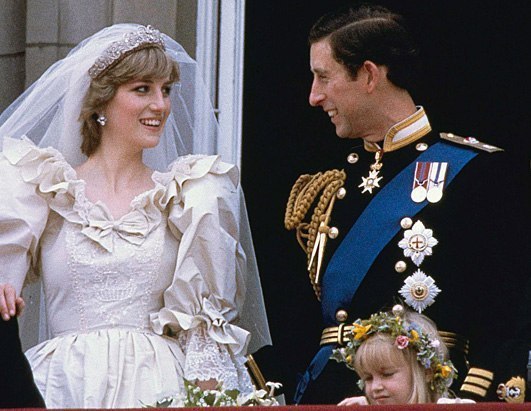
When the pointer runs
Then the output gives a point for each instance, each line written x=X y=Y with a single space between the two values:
x=114 y=171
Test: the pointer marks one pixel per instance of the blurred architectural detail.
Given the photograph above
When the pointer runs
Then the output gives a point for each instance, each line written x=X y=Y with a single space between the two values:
x=36 y=33
x=12 y=49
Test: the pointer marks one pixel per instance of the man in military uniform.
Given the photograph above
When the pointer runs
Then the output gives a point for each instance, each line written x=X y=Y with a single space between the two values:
x=416 y=213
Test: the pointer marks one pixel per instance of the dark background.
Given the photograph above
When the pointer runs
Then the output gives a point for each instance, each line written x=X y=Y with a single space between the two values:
x=474 y=81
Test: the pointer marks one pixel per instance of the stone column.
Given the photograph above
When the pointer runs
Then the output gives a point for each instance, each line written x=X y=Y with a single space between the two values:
x=12 y=47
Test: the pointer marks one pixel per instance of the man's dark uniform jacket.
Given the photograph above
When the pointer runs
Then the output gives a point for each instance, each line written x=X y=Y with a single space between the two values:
x=17 y=388
x=479 y=264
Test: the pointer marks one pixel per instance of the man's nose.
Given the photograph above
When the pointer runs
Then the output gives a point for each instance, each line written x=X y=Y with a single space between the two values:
x=316 y=96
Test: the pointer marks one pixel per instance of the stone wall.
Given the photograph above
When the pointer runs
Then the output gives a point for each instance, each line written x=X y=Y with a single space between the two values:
x=36 y=33
x=12 y=50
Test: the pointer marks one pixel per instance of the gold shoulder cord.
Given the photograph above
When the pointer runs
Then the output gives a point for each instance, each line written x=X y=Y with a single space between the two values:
x=312 y=235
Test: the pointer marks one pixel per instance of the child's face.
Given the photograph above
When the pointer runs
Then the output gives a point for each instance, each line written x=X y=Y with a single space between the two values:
x=388 y=384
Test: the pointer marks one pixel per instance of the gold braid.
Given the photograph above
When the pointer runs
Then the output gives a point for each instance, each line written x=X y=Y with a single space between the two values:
x=302 y=196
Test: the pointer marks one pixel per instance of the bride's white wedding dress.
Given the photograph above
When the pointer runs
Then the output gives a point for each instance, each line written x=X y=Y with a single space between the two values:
x=133 y=304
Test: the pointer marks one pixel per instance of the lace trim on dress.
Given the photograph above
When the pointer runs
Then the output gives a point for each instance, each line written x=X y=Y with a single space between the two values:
x=205 y=360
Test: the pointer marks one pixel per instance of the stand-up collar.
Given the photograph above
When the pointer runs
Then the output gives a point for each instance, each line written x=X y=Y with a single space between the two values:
x=404 y=132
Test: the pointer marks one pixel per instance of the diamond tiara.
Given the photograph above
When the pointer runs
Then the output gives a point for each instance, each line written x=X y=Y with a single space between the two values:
x=144 y=36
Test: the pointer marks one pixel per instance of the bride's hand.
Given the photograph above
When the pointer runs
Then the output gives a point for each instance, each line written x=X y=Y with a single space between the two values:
x=10 y=304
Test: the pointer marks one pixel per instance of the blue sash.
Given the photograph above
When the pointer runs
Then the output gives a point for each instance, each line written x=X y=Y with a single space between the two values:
x=353 y=259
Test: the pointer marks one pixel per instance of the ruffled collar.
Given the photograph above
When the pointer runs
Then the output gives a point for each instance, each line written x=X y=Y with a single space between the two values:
x=57 y=181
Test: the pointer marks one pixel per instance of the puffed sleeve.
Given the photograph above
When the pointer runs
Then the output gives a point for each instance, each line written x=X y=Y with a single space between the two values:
x=208 y=287
x=23 y=216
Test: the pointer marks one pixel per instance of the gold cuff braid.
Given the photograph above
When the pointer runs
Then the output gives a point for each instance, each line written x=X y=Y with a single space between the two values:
x=478 y=381
x=474 y=390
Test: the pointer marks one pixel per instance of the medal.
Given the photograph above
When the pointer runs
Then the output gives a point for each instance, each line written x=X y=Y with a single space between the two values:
x=420 y=182
x=436 y=182
x=372 y=180
x=418 y=243
x=418 y=194
x=434 y=195
x=428 y=182
x=419 y=291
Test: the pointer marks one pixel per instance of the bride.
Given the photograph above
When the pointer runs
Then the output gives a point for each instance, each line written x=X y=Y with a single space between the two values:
x=145 y=257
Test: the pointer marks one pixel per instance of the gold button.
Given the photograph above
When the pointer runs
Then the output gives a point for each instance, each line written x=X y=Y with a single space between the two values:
x=406 y=222
x=341 y=193
x=400 y=266
x=341 y=316
x=353 y=158
x=333 y=232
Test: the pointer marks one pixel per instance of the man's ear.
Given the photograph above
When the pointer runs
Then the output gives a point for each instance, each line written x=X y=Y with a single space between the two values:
x=374 y=74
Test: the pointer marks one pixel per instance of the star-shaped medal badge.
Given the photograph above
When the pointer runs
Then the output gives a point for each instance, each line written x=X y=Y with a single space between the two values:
x=370 y=182
x=418 y=243
x=419 y=291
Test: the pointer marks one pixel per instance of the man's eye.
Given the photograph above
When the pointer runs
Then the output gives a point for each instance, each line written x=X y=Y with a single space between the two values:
x=142 y=89
x=166 y=91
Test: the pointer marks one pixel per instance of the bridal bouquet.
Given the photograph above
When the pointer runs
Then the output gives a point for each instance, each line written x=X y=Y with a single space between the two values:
x=193 y=396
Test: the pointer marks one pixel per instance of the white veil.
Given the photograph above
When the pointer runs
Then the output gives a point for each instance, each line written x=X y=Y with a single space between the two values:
x=48 y=113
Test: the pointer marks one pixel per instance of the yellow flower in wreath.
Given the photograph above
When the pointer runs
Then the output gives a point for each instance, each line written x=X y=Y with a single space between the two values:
x=360 y=330
x=444 y=370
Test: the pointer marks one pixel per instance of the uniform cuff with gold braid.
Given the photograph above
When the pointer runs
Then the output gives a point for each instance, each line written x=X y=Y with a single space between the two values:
x=477 y=382
x=336 y=335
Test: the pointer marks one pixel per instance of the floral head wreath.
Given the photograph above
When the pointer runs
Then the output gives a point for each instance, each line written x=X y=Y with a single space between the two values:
x=407 y=335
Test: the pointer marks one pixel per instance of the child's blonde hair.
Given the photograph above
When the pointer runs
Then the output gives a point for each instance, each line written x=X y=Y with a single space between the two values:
x=378 y=348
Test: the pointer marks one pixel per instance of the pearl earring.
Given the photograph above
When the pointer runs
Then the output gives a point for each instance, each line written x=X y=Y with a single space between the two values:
x=102 y=120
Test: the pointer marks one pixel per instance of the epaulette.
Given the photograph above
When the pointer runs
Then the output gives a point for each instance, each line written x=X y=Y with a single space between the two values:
x=470 y=142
